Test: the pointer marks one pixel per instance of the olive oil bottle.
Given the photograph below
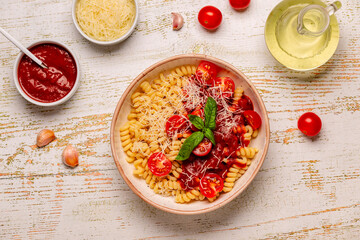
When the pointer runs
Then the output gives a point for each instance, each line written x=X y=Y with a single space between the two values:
x=302 y=34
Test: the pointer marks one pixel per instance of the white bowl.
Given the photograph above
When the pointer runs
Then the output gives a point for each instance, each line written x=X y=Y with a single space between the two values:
x=62 y=100
x=106 y=43
x=138 y=185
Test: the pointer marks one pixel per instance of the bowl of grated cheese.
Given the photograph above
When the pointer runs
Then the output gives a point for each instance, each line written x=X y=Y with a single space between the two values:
x=139 y=130
x=105 y=22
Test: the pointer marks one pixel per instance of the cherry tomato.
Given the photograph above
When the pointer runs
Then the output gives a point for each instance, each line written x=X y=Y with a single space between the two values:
x=174 y=124
x=203 y=148
x=310 y=124
x=211 y=184
x=253 y=118
x=239 y=4
x=210 y=17
x=226 y=86
x=159 y=164
x=199 y=113
x=245 y=103
x=206 y=73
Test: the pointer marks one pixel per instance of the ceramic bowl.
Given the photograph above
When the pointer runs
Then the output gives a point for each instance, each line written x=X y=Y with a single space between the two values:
x=50 y=104
x=105 y=43
x=139 y=186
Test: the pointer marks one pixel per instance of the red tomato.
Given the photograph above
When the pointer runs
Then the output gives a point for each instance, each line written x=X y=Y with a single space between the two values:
x=159 y=164
x=203 y=148
x=253 y=118
x=211 y=184
x=226 y=85
x=245 y=103
x=206 y=73
x=199 y=113
x=174 y=124
x=310 y=124
x=210 y=17
x=239 y=4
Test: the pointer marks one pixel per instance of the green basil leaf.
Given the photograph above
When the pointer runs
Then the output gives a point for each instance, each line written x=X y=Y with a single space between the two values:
x=210 y=113
x=196 y=121
x=189 y=145
x=209 y=135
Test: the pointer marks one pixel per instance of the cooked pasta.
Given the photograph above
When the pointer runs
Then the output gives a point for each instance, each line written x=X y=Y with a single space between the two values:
x=146 y=135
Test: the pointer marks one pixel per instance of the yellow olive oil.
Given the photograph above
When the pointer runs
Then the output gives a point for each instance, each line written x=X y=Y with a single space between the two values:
x=300 y=51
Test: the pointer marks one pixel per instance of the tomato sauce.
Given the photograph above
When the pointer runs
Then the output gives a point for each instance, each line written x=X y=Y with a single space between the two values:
x=193 y=169
x=231 y=118
x=51 y=84
x=222 y=156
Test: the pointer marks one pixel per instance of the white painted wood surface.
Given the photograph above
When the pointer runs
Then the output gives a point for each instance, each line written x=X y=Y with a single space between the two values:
x=306 y=189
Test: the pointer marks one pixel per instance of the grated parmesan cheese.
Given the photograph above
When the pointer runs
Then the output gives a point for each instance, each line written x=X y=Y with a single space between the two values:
x=105 y=20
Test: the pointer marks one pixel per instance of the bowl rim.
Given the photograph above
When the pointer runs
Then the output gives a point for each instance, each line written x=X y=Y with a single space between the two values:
x=122 y=101
x=106 y=43
x=45 y=104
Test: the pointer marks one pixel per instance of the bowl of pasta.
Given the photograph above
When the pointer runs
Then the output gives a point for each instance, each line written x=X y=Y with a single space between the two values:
x=189 y=134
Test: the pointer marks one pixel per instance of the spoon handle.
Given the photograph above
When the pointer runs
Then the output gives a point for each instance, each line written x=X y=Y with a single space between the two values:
x=22 y=48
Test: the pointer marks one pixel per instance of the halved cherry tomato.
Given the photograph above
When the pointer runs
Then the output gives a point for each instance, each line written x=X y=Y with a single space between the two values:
x=310 y=124
x=203 y=148
x=206 y=73
x=174 y=124
x=159 y=164
x=239 y=4
x=245 y=103
x=226 y=86
x=211 y=184
x=210 y=17
x=253 y=118
x=199 y=113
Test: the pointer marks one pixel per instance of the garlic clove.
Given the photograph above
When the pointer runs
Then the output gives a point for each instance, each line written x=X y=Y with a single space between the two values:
x=45 y=137
x=70 y=156
x=178 y=21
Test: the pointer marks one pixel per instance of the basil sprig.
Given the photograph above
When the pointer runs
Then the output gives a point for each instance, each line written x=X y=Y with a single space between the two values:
x=205 y=130
x=210 y=113
x=210 y=135
x=189 y=145
x=197 y=121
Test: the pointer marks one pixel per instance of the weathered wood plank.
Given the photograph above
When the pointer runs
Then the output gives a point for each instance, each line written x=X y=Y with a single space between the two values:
x=307 y=188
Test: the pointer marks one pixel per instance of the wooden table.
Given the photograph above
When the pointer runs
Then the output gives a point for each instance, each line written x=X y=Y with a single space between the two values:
x=307 y=188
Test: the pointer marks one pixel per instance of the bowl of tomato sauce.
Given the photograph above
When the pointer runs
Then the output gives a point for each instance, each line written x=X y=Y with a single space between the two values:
x=49 y=86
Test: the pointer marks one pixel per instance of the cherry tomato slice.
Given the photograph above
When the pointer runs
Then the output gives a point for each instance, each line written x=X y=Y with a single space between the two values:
x=159 y=164
x=211 y=184
x=226 y=86
x=174 y=125
x=239 y=4
x=245 y=103
x=253 y=118
x=210 y=17
x=203 y=148
x=310 y=124
x=206 y=73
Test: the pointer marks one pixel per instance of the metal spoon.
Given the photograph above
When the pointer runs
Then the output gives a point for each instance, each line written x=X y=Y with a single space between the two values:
x=22 y=48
